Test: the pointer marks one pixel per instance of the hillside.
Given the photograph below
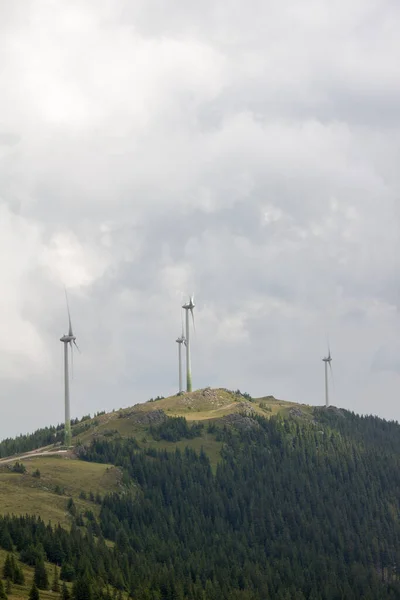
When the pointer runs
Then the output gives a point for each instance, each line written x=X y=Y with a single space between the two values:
x=63 y=475
x=213 y=495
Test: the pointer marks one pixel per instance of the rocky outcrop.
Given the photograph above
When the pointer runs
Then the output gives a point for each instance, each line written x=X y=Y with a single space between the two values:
x=241 y=421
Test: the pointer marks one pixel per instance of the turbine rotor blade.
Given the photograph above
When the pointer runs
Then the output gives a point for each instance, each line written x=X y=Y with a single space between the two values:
x=194 y=326
x=77 y=347
x=329 y=346
x=69 y=315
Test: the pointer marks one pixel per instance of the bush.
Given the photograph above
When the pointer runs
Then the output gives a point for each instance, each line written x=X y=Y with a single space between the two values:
x=18 y=468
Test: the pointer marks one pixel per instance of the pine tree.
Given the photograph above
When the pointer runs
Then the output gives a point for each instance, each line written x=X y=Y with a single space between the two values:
x=82 y=589
x=34 y=593
x=5 y=540
x=8 y=571
x=65 y=595
x=19 y=578
x=40 y=577
x=3 y=595
x=8 y=586
x=55 y=585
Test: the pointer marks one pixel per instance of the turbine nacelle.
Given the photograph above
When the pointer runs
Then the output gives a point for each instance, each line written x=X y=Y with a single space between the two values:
x=67 y=339
x=190 y=306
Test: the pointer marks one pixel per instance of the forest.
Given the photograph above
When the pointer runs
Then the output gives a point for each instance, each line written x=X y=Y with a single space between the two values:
x=295 y=509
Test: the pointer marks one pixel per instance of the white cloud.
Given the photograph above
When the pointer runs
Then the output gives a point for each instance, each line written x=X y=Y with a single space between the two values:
x=247 y=154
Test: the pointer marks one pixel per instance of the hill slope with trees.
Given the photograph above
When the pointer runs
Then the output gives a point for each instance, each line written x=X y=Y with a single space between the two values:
x=299 y=505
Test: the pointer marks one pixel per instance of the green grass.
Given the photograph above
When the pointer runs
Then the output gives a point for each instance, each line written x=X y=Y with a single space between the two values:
x=200 y=405
x=24 y=494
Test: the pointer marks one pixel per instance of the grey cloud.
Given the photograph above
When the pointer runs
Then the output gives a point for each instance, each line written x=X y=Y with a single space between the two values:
x=9 y=139
x=246 y=153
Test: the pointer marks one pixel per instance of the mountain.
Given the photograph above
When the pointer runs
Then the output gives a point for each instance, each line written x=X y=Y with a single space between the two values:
x=209 y=495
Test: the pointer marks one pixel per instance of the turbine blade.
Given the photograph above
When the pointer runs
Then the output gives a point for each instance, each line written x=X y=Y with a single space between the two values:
x=77 y=347
x=69 y=314
x=194 y=326
x=329 y=346
x=183 y=332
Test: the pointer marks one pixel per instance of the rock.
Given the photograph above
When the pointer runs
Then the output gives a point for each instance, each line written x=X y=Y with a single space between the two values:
x=240 y=421
x=149 y=418
x=296 y=412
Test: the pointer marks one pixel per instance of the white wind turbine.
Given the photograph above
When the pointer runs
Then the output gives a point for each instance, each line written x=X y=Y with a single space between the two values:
x=189 y=306
x=180 y=340
x=68 y=340
x=327 y=360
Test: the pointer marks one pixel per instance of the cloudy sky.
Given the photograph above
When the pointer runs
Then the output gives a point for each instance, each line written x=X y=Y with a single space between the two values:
x=245 y=151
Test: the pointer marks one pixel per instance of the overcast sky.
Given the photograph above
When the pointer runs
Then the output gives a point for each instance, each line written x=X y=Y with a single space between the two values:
x=248 y=152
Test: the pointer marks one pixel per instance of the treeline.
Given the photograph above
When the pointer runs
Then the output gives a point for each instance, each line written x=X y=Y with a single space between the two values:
x=42 y=437
x=28 y=442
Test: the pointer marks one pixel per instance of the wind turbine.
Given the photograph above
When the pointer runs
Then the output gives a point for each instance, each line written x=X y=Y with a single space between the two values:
x=67 y=340
x=188 y=306
x=327 y=360
x=180 y=340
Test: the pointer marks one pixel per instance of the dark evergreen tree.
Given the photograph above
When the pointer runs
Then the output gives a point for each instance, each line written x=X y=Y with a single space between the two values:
x=8 y=571
x=55 y=584
x=34 y=592
x=40 y=576
x=5 y=539
x=67 y=572
x=82 y=588
x=65 y=595
x=3 y=595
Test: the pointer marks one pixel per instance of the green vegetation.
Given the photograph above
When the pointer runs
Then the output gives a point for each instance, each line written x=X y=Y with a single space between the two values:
x=174 y=429
x=212 y=495
x=296 y=509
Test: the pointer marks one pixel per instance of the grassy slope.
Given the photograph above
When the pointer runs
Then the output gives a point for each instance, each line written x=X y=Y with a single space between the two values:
x=200 y=406
x=22 y=493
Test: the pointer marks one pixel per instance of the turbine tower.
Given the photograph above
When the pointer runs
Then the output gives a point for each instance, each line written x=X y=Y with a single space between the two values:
x=327 y=360
x=189 y=306
x=180 y=340
x=67 y=340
